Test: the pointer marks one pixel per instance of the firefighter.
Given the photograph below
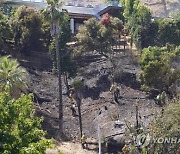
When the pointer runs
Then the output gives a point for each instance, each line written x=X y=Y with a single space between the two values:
x=112 y=88
x=161 y=98
x=125 y=149
x=73 y=106
x=83 y=141
x=116 y=92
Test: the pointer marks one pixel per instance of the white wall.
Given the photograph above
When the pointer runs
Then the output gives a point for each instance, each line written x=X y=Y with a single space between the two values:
x=72 y=25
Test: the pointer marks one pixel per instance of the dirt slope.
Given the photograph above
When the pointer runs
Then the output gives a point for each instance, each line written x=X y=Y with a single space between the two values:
x=97 y=105
x=70 y=148
x=162 y=8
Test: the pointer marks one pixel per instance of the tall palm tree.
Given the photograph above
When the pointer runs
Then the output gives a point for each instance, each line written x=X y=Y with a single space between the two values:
x=12 y=76
x=55 y=13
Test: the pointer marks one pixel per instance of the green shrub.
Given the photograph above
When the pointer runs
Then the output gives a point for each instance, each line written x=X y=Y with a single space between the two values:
x=27 y=23
x=5 y=30
x=88 y=36
x=162 y=32
x=157 y=71
x=94 y=35
x=20 y=130
x=78 y=84
x=139 y=24
x=46 y=35
x=147 y=32
x=168 y=32
x=166 y=126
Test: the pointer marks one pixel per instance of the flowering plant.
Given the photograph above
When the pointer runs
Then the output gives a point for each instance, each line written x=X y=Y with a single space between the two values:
x=105 y=19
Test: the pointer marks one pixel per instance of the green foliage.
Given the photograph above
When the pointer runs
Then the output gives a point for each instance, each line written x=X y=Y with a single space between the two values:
x=156 y=67
x=116 y=24
x=123 y=3
x=144 y=15
x=27 y=23
x=95 y=36
x=176 y=15
x=129 y=7
x=64 y=36
x=12 y=76
x=65 y=33
x=133 y=144
x=88 y=36
x=53 y=7
x=169 y=32
x=166 y=126
x=152 y=34
x=156 y=74
x=20 y=130
x=78 y=85
x=1 y=40
x=5 y=29
x=46 y=35
x=146 y=32
x=138 y=25
x=68 y=65
x=52 y=52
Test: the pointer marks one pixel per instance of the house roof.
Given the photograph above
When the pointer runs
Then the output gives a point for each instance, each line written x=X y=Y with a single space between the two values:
x=75 y=7
x=96 y=10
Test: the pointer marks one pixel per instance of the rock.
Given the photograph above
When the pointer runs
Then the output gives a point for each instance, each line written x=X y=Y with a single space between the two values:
x=115 y=143
x=118 y=124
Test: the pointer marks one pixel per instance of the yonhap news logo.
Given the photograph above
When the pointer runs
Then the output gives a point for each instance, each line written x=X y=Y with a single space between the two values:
x=143 y=140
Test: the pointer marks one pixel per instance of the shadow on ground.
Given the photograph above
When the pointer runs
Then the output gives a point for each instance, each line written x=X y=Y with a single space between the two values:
x=50 y=124
x=103 y=84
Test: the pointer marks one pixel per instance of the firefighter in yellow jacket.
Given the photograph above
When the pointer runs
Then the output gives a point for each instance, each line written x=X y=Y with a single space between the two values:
x=71 y=101
x=114 y=89
x=83 y=140
x=161 y=98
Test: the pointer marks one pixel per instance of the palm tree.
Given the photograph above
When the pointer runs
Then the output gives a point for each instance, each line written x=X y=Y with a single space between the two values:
x=54 y=7
x=78 y=86
x=12 y=76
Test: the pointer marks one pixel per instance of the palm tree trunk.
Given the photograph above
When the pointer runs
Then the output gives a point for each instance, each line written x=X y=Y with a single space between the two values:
x=79 y=113
x=58 y=57
x=66 y=83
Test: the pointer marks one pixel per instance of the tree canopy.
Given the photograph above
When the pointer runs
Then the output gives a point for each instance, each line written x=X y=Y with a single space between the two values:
x=157 y=71
x=20 y=130
x=97 y=35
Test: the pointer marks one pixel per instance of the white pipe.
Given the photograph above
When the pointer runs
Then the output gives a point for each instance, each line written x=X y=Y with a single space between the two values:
x=72 y=25
x=99 y=138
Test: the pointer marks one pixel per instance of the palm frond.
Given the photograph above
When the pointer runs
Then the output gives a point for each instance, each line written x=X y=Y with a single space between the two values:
x=12 y=76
